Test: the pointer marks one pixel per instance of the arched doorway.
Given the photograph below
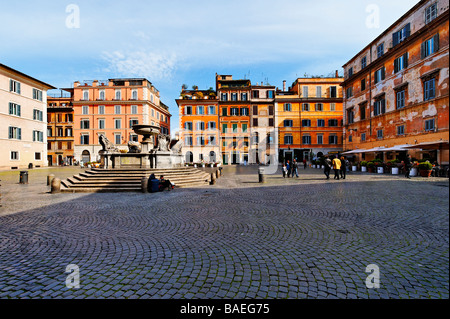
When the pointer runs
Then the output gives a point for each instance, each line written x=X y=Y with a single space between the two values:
x=86 y=156
x=212 y=156
x=189 y=157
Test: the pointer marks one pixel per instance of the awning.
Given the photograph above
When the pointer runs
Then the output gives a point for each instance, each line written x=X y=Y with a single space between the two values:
x=353 y=152
x=437 y=145
x=396 y=148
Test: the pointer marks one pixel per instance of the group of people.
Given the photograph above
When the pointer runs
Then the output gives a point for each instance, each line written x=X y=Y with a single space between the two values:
x=163 y=183
x=291 y=169
x=339 y=166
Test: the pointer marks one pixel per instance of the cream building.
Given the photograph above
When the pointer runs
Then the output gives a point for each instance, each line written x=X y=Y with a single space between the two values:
x=23 y=118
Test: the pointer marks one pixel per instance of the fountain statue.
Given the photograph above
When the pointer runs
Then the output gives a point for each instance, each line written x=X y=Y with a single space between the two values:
x=154 y=151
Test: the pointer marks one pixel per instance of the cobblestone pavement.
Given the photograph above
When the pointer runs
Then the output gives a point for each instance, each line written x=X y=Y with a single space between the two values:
x=287 y=238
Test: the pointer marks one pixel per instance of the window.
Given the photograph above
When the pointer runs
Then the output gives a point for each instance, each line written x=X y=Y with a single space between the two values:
x=320 y=123
x=306 y=139
x=188 y=126
x=85 y=110
x=401 y=35
x=319 y=107
x=430 y=46
x=350 y=138
x=14 y=86
x=101 y=109
x=118 y=95
x=288 y=123
x=379 y=107
x=234 y=97
x=363 y=84
x=400 y=99
x=349 y=92
x=224 y=96
x=431 y=13
x=270 y=109
x=319 y=139
x=212 y=140
x=350 y=72
x=101 y=95
x=211 y=110
x=244 y=128
x=85 y=95
x=188 y=140
x=200 y=141
x=224 y=128
x=14 y=109
x=401 y=63
x=270 y=94
x=234 y=127
x=255 y=122
x=117 y=123
x=332 y=106
x=379 y=134
x=271 y=122
x=200 y=110
x=134 y=95
x=187 y=110
x=117 y=109
x=37 y=95
x=234 y=111
x=332 y=139
x=69 y=132
x=380 y=50
x=49 y=132
x=380 y=74
x=287 y=107
x=363 y=137
x=134 y=109
x=244 y=96
x=101 y=123
x=224 y=111
x=306 y=123
x=200 y=126
x=38 y=136
x=305 y=107
x=244 y=111
x=401 y=130
x=84 y=124
x=255 y=94
x=84 y=139
x=14 y=156
x=333 y=122
x=362 y=111
x=305 y=91
x=134 y=137
x=318 y=91
x=211 y=125
x=117 y=138
x=363 y=62
x=59 y=131
x=288 y=139
x=133 y=122
x=429 y=125
x=429 y=89
x=333 y=92
x=255 y=109
x=350 y=116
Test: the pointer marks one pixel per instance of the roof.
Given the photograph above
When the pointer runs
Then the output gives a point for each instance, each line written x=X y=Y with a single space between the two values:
x=27 y=76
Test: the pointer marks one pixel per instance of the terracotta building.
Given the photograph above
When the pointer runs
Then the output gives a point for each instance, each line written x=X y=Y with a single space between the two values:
x=60 y=138
x=309 y=118
x=199 y=125
x=23 y=115
x=112 y=107
x=396 y=89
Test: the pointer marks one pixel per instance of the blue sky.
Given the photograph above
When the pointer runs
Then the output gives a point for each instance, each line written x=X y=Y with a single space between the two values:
x=177 y=42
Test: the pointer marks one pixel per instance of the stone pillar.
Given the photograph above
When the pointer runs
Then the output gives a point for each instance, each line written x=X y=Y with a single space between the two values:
x=49 y=179
x=56 y=185
x=144 y=184
x=213 y=179
x=217 y=173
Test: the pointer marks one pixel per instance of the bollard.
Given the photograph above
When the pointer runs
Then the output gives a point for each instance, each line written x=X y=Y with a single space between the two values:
x=261 y=175
x=49 y=179
x=213 y=179
x=56 y=185
x=217 y=173
x=144 y=184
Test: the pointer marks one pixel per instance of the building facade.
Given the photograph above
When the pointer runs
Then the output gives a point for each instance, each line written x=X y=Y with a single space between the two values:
x=23 y=114
x=199 y=125
x=60 y=124
x=309 y=118
x=396 y=88
x=112 y=107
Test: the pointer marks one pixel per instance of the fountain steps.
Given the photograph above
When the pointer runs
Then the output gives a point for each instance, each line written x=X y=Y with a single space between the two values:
x=118 y=180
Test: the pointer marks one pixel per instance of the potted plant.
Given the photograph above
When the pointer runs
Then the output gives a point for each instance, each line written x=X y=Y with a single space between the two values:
x=363 y=166
x=414 y=168
x=371 y=166
x=393 y=166
x=425 y=169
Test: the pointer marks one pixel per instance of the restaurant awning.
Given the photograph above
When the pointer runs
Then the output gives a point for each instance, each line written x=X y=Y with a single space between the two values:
x=396 y=148
x=352 y=152
x=437 y=145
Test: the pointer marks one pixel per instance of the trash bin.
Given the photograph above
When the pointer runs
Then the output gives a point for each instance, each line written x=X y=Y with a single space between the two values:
x=153 y=185
x=261 y=175
x=23 y=177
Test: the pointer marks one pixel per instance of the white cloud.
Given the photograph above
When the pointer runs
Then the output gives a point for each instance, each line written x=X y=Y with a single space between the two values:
x=152 y=65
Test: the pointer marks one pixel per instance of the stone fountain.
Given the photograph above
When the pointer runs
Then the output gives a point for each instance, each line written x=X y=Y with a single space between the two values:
x=155 y=151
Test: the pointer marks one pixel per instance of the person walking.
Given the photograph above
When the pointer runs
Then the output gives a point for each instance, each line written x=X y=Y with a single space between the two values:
x=288 y=167
x=336 y=167
x=304 y=163
x=328 y=165
x=294 y=168
x=284 y=169
x=408 y=165
x=343 y=170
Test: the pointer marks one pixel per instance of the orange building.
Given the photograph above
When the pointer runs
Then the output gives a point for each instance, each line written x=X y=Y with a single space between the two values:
x=309 y=118
x=60 y=138
x=234 y=103
x=397 y=89
x=112 y=107
x=199 y=123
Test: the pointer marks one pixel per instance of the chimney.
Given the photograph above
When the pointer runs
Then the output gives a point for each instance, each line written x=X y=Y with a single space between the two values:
x=337 y=73
x=284 y=85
